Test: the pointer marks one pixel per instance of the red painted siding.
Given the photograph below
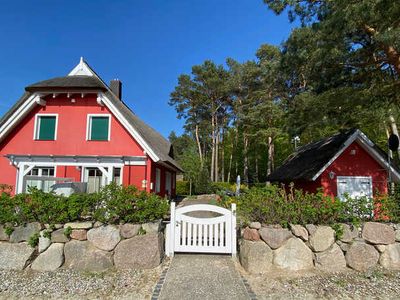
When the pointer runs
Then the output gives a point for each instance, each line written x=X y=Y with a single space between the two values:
x=361 y=163
x=71 y=140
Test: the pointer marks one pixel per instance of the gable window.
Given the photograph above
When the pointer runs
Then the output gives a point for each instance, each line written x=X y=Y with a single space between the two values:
x=98 y=128
x=45 y=127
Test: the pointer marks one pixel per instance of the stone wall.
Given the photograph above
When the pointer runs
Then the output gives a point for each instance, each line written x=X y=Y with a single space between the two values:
x=264 y=249
x=89 y=246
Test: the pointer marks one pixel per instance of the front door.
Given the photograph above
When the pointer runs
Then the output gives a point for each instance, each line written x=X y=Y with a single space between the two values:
x=94 y=179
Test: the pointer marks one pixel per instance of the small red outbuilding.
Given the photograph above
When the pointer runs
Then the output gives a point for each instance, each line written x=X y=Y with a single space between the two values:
x=346 y=163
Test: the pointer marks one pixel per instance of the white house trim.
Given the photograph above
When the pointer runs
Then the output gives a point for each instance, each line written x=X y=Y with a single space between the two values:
x=350 y=140
x=19 y=113
x=131 y=130
x=89 y=125
x=367 y=145
x=37 y=123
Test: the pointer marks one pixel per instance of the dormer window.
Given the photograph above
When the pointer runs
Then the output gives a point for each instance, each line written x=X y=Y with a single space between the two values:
x=46 y=127
x=98 y=128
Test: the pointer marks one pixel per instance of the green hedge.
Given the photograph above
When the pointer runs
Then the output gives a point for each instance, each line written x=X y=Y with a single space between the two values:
x=113 y=204
x=278 y=205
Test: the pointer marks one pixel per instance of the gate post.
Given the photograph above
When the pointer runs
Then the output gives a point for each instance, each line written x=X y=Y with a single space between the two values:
x=233 y=226
x=170 y=233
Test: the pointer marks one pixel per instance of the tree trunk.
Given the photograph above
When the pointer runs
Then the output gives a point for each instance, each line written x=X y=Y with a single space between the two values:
x=246 y=160
x=212 y=149
x=223 y=155
x=228 y=179
x=393 y=126
x=270 y=163
x=216 y=176
x=256 y=172
x=393 y=56
x=199 y=145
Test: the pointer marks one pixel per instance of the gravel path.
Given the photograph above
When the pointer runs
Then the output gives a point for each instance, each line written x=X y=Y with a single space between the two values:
x=377 y=284
x=69 y=284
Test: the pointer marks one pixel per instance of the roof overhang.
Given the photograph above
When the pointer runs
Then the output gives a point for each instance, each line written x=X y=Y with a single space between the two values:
x=368 y=146
x=74 y=160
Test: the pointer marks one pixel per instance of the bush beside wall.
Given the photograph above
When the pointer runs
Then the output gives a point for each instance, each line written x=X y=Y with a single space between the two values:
x=112 y=205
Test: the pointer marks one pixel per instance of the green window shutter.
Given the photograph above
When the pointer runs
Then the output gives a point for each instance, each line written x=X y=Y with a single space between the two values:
x=99 y=128
x=47 y=128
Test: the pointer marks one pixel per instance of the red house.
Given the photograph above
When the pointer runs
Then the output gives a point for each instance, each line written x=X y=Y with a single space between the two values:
x=77 y=129
x=346 y=163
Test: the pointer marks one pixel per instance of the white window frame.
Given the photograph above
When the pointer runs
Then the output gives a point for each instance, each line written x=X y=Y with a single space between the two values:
x=89 y=126
x=369 y=178
x=158 y=180
x=37 y=124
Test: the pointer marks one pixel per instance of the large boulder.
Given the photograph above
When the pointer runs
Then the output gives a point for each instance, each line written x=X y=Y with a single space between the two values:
x=255 y=225
x=51 y=259
x=79 y=234
x=23 y=233
x=44 y=242
x=378 y=233
x=83 y=256
x=294 y=255
x=348 y=233
x=251 y=234
x=15 y=256
x=255 y=257
x=275 y=237
x=104 y=237
x=129 y=230
x=397 y=235
x=390 y=258
x=362 y=256
x=139 y=252
x=331 y=260
x=299 y=231
x=322 y=238
x=58 y=236
x=152 y=227
x=79 y=225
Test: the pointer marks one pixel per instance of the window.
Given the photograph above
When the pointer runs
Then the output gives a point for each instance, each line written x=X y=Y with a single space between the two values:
x=354 y=187
x=158 y=180
x=98 y=128
x=117 y=175
x=168 y=183
x=45 y=127
x=38 y=178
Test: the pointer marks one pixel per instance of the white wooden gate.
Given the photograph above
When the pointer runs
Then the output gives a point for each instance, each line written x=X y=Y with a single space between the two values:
x=187 y=233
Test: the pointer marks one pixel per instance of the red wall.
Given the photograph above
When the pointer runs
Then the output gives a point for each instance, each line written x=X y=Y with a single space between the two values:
x=347 y=164
x=71 y=140
x=71 y=135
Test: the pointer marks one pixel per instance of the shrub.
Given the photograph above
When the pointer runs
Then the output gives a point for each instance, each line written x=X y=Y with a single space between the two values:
x=203 y=183
x=34 y=240
x=112 y=204
x=275 y=205
x=280 y=205
x=183 y=188
x=116 y=203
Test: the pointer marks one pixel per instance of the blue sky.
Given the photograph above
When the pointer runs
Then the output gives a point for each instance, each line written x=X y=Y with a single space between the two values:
x=146 y=44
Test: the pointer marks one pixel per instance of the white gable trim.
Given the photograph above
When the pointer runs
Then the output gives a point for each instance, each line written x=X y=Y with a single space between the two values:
x=82 y=69
x=367 y=145
x=22 y=111
x=130 y=128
